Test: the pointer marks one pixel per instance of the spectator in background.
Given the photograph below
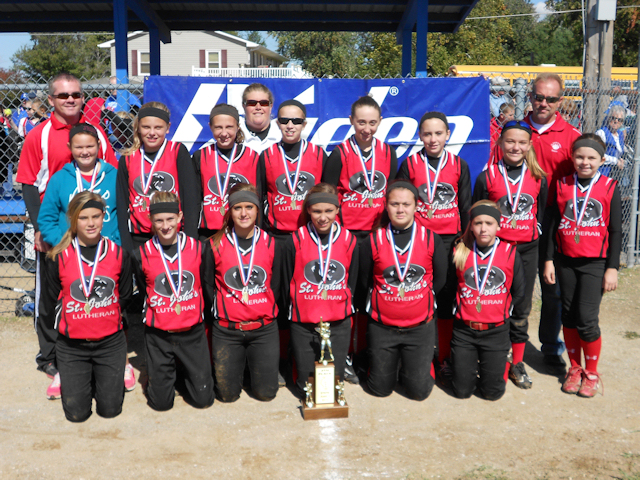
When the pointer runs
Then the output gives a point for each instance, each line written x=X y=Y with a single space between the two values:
x=21 y=111
x=498 y=95
x=93 y=110
x=570 y=112
x=507 y=113
x=122 y=126
x=37 y=114
x=121 y=100
x=613 y=137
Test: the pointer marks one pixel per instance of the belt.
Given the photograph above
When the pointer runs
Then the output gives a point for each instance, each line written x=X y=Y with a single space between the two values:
x=180 y=330
x=94 y=339
x=243 y=326
x=480 y=326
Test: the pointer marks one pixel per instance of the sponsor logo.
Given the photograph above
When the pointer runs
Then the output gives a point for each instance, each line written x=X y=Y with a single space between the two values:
x=357 y=183
x=555 y=146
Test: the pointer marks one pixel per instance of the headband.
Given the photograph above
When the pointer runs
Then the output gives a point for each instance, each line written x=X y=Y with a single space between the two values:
x=485 y=210
x=294 y=103
x=438 y=115
x=154 y=112
x=403 y=184
x=322 y=197
x=224 y=109
x=588 y=142
x=243 y=196
x=516 y=124
x=83 y=128
x=93 y=204
x=164 y=207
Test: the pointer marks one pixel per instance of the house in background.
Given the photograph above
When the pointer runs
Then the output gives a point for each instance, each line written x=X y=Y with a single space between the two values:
x=198 y=53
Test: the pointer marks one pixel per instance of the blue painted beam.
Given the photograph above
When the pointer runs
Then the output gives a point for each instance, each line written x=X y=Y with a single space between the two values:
x=154 y=51
x=406 y=52
x=408 y=19
x=422 y=28
x=120 y=28
x=151 y=19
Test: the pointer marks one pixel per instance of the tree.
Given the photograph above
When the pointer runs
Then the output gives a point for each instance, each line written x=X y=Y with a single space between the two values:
x=255 y=37
x=76 y=53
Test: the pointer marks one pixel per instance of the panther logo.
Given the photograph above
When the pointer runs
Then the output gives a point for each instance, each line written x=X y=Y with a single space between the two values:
x=414 y=275
x=525 y=204
x=357 y=182
x=496 y=277
x=234 y=179
x=305 y=182
x=161 y=285
x=257 y=278
x=336 y=272
x=591 y=213
x=445 y=194
x=161 y=182
x=103 y=288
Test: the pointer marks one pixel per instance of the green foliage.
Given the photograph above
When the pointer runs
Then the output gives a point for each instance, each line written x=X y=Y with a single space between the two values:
x=255 y=37
x=381 y=55
x=629 y=335
x=77 y=53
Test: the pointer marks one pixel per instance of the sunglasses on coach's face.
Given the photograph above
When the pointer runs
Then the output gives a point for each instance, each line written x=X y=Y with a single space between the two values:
x=296 y=121
x=539 y=98
x=253 y=103
x=64 y=96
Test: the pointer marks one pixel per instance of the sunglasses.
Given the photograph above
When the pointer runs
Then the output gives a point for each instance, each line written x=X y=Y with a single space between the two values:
x=516 y=124
x=253 y=103
x=295 y=121
x=539 y=98
x=616 y=119
x=64 y=96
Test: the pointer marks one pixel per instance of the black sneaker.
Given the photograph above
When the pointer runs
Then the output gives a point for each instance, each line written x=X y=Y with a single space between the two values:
x=555 y=365
x=518 y=374
x=49 y=369
x=444 y=373
x=350 y=372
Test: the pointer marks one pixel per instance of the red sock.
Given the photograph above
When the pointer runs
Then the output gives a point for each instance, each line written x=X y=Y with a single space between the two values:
x=506 y=372
x=591 y=354
x=445 y=332
x=572 y=341
x=518 y=352
x=207 y=333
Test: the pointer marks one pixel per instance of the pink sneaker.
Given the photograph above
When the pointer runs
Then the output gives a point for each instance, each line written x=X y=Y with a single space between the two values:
x=53 y=392
x=591 y=384
x=129 y=378
x=572 y=380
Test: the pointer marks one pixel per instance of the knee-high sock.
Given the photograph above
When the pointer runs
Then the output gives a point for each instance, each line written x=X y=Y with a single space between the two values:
x=574 y=350
x=591 y=354
x=518 y=352
x=445 y=332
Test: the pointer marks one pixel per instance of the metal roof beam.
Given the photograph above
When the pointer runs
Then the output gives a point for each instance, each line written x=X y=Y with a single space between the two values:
x=151 y=19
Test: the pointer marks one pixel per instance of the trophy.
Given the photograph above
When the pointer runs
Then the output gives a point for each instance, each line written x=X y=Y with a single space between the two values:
x=321 y=389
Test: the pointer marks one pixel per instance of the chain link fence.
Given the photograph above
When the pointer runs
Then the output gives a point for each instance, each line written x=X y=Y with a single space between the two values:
x=588 y=105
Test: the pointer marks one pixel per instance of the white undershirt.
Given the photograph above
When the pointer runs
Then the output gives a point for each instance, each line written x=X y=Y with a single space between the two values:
x=541 y=128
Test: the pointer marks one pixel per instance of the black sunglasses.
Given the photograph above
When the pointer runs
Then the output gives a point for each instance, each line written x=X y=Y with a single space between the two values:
x=539 y=98
x=253 y=103
x=516 y=124
x=285 y=120
x=64 y=96
x=617 y=119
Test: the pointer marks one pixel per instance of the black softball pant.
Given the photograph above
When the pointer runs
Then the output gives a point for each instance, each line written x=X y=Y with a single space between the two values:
x=259 y=348
x=415 y=346
x=519 y=324
x=445 y=298
x=82 y=364
x=163 y=350
x=581 y=293
x=480 y=354
x=306 y=348
x=45 y=327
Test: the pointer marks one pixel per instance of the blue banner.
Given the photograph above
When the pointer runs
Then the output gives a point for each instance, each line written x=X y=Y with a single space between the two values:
x=465 y=101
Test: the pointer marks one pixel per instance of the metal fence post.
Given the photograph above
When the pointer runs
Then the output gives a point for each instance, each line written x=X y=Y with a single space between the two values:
x=521 y=97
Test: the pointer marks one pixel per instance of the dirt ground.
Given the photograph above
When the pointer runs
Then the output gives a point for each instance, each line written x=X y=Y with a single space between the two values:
x=536 y=434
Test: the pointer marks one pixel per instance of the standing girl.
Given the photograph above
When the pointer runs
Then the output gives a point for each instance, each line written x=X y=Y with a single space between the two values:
x=244 y=309
x=586 y=228
x=320 y=274
x=170 y=266
x=221 y=166
x=517 y=185
x=444 y=187
x=402 y=265
x=489 y=281
x=88 y=287
x=152 y=164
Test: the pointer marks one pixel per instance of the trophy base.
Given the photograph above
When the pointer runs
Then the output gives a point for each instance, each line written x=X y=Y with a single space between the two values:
x=324 y=410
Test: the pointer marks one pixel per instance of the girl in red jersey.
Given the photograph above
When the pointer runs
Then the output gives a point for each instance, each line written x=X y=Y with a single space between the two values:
x=152 y=164
x=320 y=263
x=402 y=265
x=586 y=228
x=244 y=308
x=517 y=184
x=489 y=281
x=88 y=286
x=287 y=170
x=444 y=186
x=171 y=269
x=221 y=166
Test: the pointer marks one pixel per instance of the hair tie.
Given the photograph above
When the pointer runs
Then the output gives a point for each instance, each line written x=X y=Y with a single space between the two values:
x=485 y=210
x=154 y=112
x=243 y=196
x=93 y=204
x=438 y=115
x=164 y=207
x=589 y=142
x=323 y=197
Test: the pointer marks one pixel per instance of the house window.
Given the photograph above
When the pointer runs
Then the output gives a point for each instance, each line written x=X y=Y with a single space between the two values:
x=213 y=58
x=144 y=63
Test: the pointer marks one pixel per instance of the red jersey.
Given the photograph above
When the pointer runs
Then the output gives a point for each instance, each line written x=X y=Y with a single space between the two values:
x=99 y=315
x=402 y=303
x=593 y=232
x=526 y=214
x=163 y=310
x=496 y=296
x=243 y=170
x=494 y=132
x=164 y=179
x=312 y=298
x=442 y=215
x=360 y=206
x=284 y=207
x=260 y=303
x=45 y=152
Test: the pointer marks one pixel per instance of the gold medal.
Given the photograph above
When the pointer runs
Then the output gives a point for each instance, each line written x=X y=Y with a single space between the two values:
x=370 y=201
x=87 y=308
x=245 y=295
x=478 y=306
x=514 y=223
x=401 y=291
x=178 y=309
x=222 y=210
x=576 y=238
x=430 y=213
x=145 y=203
x=294 y=205
x=323 y=295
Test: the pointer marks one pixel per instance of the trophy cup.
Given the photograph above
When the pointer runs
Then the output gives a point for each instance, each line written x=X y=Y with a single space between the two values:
x=321 y=389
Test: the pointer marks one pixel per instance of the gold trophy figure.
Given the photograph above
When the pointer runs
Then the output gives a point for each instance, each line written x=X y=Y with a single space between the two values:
x=309 y=391
x=325 y=341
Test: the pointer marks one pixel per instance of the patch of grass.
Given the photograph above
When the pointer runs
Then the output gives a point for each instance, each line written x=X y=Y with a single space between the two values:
x=484 y=472
x=628 y=476
x=631 y=455
x=631 y=335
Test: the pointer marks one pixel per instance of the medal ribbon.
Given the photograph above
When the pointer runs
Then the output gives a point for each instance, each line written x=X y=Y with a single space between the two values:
x=294 y=185
x=94 y=178
x=586 y=198
x=432 y=187
x=145 y=184
x=87 y=287
x=368 y=180
x=513 y=203
x=243 y=277
x=175 y=288
x=480 y=286
x=222 y=188
x=402 y=273
x=324 y=264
